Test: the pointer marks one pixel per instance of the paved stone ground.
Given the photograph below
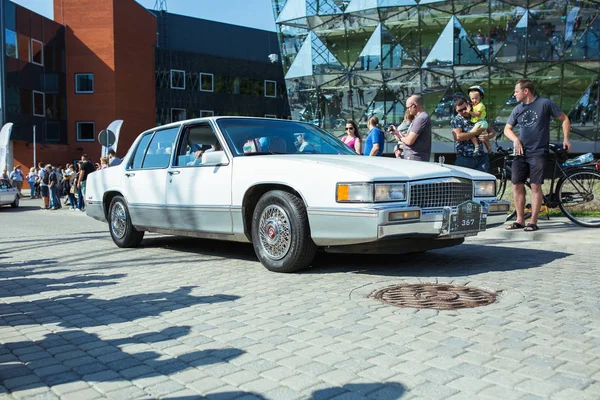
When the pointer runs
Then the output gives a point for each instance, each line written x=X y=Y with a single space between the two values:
x=182 y=318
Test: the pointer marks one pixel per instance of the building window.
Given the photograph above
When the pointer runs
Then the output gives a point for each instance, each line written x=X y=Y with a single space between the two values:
x=270 y=116
x=85 y=132
x=270 y=89
x=36 y=52
x=84 y=83
x=178 y=114
x=10 y=44
x=207 y=82
x=39 y=106
x=177 y=79
x=206 y=113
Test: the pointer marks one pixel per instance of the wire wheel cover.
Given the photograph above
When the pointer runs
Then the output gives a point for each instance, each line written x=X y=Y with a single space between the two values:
x=118 y=220
x=275 y=232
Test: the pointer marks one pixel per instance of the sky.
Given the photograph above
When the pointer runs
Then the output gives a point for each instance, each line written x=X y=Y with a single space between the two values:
x=252 y=13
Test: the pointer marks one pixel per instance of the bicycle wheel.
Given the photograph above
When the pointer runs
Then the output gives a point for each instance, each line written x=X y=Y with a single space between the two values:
x=579 y=197
x=501 y=180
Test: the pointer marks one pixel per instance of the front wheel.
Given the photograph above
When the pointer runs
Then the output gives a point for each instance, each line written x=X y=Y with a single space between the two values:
x=501 y=181
x=579 y=197
x=119 y=224
x=281 y=234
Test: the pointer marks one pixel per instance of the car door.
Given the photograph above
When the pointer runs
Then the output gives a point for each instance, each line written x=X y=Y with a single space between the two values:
x=145 y=177
x=199 y=195
x=4 y=192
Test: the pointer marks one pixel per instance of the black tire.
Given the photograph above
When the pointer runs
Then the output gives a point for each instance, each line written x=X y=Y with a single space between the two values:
x=501 y=182
x=281 y=233
x=15 y=203
x=579 y=197
x=119 y=224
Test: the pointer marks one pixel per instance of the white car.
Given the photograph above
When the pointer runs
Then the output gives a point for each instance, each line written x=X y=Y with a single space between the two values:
x=289 y=188
x=8 y=194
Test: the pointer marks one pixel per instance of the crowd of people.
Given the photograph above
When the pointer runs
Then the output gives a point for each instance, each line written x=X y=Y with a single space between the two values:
x=51 y=183
x=472 y=133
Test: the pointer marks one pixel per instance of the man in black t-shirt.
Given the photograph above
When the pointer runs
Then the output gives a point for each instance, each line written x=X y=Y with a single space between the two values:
x=533 y=115
x=86 y=168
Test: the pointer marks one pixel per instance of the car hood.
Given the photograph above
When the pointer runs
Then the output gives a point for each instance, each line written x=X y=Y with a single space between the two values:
x=386 y=168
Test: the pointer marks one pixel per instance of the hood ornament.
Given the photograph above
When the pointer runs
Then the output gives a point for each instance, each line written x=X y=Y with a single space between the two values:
x=441 y=160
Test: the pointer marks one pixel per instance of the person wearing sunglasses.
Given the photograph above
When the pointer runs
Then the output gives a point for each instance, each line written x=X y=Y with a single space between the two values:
x=467 y=155
x=352 y=138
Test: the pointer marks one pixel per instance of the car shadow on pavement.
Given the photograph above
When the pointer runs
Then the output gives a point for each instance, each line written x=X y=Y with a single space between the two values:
x=82 y=310
x=463 y=260
x=77 y=356
x=236 y=250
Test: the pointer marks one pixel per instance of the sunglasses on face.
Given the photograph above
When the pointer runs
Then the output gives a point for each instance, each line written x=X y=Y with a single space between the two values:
x=349 y=128
x=461 y=109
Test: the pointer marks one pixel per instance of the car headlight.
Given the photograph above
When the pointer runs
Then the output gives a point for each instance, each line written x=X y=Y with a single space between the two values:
x=484 y=188
x=355 y=192
x=390 y=191
x=370 y=193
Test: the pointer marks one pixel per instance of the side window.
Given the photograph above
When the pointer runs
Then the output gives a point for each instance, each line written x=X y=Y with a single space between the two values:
x=160 y=149
x=196 y=140
x=138 y=157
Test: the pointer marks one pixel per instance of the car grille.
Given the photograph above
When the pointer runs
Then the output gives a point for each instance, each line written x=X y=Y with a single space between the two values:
x=440 y=193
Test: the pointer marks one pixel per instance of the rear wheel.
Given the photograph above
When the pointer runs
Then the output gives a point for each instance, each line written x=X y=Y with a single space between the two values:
x=281 y=234
x=15 y=203
x=119 y=224
x=579 y=197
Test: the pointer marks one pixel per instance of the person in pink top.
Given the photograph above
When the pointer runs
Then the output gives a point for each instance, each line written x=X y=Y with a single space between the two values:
x=352 y=138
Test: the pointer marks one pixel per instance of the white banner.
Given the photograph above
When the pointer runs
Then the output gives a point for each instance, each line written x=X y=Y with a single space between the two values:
x=4 y=145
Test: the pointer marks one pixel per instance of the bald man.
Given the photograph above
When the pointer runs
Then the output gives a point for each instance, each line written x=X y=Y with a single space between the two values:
x=417 y=141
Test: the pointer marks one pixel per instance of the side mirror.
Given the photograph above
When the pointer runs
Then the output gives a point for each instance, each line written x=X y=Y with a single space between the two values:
x=214 y=158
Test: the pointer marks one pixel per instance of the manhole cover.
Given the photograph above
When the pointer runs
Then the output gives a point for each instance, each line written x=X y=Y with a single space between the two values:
x=434 y=296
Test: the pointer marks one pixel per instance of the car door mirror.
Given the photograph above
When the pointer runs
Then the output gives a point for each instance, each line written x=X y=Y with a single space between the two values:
x=214 y=158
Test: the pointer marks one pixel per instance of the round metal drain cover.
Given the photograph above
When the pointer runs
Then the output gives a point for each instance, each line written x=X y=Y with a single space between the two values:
x=434 y=296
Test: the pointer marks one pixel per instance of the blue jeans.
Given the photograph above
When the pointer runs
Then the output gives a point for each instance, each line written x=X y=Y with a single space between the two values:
x=480 y=163
x=54 y=200
x=80 y=201
x=32 y=188
x=72 y=201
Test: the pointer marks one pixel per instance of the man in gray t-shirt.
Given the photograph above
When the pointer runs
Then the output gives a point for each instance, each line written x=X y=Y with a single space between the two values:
x=417 y=142
x=533 y=115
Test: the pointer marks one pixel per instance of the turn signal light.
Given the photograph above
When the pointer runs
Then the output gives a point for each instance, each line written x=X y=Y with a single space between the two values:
x=404 y=215
x=497 y=208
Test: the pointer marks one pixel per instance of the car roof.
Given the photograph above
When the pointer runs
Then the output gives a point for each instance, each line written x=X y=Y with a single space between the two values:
x=206 y=119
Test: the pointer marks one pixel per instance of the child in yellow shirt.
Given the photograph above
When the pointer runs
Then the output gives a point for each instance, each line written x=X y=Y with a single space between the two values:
x=478 y=115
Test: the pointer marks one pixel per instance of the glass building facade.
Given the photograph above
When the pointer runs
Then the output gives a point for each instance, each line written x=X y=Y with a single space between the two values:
x=353 y=59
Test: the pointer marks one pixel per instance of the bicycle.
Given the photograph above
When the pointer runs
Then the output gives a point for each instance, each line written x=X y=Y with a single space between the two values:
x=501 y=168
x=574 y=189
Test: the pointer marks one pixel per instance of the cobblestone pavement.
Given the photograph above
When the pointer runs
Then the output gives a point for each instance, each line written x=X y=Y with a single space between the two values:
x=182 y=318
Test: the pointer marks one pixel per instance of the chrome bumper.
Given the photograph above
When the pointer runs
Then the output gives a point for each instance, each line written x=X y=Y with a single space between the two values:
x=338 y=227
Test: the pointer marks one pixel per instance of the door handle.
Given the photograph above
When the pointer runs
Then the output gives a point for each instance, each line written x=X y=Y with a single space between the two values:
x=173 y=172
x=129 y=174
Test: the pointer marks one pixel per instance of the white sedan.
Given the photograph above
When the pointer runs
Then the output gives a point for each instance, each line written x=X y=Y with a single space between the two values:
x=289 y=188
x=8 y=194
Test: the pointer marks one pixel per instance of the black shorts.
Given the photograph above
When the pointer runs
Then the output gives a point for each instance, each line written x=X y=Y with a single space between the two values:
x=44 y=191
x=529 y=166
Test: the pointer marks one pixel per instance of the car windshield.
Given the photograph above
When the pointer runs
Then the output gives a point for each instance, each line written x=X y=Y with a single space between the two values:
x=247 y=137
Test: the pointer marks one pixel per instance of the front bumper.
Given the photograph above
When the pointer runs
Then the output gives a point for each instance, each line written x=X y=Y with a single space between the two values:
x=339 y=227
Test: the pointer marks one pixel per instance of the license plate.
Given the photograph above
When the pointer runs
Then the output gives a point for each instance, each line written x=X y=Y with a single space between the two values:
x=467 y=218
